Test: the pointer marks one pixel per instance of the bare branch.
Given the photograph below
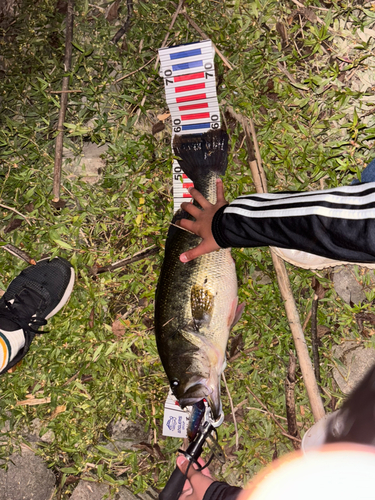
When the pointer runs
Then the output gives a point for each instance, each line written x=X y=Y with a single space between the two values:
x=232 y=409
x=16 y=212
x=129 y=260
x=63 y=102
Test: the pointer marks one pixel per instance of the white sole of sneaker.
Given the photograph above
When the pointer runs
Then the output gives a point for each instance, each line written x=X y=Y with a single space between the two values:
x=307 y=260
x=66 y=295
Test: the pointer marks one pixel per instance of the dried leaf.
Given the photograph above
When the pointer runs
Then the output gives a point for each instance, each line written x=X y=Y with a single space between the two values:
x=157 y=127
x=13 y=224
x=29 y=207
x=148 y=322
x=322 y=330
x=118 y=328
x=163 y=117
x=368 y=317
x=318 y=288
x=33 y=401
x=58 y=203
x=283 y=32
x=62 y=6
x=91 y=318
x=59 y=409
x=112 y=11
x=308 y=14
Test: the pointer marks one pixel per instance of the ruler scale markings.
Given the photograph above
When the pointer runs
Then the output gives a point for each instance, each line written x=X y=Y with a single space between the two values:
x=182 y=51
x=195 y=116
x=193 y=105
x=186 y=53
x=167 y=61
x=193 y=97
x=209 y=93
x=190 y=76
x=189 y=107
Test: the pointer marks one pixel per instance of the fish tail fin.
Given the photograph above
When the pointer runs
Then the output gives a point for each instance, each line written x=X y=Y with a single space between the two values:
x=202 y=154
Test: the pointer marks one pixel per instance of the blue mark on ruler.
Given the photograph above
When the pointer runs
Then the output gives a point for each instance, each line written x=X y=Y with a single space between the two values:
x=186 y=53
x=187 y=65
x=195 y=126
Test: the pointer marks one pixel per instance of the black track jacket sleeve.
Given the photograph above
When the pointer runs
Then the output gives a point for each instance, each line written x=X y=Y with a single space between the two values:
x=336 y=223
x=221 y=491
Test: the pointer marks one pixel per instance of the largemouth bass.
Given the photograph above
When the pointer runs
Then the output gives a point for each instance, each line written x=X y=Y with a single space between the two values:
x=196 y=302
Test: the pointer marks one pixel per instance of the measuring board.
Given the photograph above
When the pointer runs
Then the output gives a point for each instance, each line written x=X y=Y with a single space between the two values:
x=190 y=89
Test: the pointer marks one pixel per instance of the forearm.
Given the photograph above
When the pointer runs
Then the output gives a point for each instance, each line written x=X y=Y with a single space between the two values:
x=337 y=223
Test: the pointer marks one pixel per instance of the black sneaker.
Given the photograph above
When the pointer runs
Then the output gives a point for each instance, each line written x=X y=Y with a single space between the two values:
x=36 y=295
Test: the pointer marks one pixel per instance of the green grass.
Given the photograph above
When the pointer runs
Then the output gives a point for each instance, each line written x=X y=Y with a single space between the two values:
x=315 y=131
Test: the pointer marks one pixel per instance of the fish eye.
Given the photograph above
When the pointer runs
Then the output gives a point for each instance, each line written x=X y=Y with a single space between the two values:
x=175 y=383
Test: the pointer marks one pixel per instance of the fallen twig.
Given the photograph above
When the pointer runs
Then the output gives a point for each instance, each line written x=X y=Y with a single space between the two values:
x=307 y=319
x=179 y=227
x=121 y=32
x=318 y=19
x=194 y=25
x=314 y=337
x=285 y=287
x=135 y=71
x=179 y=7
x=290 y=382
x=239 y=354
x=63 y=101
x=283 y=431
x=300 y=424
x=16 y=212
x=31 y=400
x=232 y=409
x=291 y=78
x=18 y=253
x=66 y=91
x=129 y=260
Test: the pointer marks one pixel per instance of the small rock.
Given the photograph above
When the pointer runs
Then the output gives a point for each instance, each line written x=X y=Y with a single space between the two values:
x=32 y=434
x=347 y=287
x=149 y=494
x=87 y=490
x=261 y=278
x=357 y=360
x=126 y=434
x=35 y=430
x=125 y=494
x=27 y=478
x=89 y=165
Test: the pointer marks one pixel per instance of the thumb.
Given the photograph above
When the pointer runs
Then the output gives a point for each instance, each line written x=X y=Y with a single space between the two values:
x=182 y=463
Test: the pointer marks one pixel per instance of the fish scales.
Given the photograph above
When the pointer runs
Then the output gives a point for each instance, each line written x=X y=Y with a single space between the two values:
x=196 y=302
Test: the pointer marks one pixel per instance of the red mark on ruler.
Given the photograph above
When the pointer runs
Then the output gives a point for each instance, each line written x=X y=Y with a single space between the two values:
x=192 y=76
x=186 y=88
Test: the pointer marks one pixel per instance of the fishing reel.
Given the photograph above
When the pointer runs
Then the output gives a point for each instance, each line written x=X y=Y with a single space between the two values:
x=206 y=433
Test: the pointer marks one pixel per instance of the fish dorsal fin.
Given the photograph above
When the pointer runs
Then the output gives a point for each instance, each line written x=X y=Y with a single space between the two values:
x=202 y=304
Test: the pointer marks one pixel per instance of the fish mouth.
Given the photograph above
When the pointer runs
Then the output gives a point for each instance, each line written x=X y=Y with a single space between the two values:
x=200 y=391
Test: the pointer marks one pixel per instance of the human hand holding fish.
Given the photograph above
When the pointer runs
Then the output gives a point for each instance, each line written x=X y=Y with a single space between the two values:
x=203 y=221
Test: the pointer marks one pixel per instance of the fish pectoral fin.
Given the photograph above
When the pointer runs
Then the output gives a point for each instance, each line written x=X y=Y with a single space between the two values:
x=236 y=313
x=202 y=304
x=207 y=349
x=194 y=338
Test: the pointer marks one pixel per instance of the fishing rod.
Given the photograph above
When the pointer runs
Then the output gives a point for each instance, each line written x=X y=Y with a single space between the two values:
x=175 y=484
